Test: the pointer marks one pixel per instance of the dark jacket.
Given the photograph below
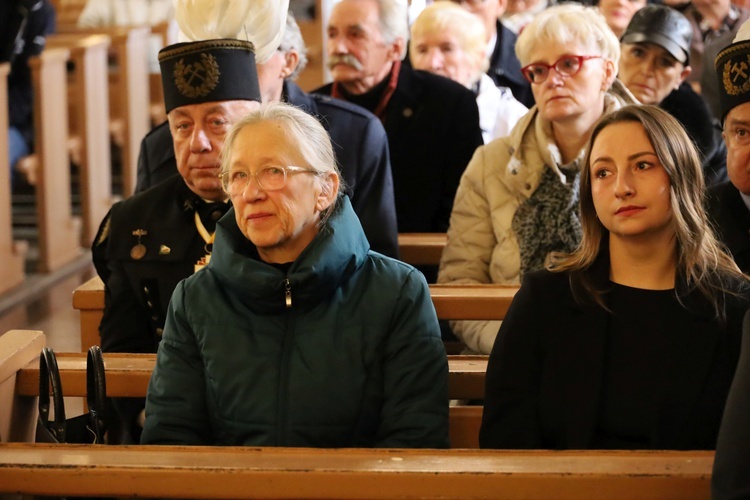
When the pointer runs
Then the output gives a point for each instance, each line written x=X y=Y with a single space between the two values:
x=137 y=290
x=731 y=475
x=433 y=129
x=692 y=111
x=341 y=350
x=731 y=219
x=505 y=69
x=361 y=149
x=546 y=370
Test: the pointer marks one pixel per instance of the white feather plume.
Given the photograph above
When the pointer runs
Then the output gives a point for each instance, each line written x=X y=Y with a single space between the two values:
x=743 y=33
x=259 y=21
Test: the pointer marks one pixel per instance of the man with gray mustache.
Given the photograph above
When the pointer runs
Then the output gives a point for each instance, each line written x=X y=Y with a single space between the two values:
x=432 y=122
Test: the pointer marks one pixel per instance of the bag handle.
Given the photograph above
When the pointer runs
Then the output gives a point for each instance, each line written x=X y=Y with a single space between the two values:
x=96 y=392
x=50 y=374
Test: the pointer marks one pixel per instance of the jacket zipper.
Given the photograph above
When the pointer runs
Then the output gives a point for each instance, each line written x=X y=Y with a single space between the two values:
x=288 y=293
x=281 y=430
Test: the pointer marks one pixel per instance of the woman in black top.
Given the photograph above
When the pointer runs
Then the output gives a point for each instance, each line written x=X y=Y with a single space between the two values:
x=631 y=341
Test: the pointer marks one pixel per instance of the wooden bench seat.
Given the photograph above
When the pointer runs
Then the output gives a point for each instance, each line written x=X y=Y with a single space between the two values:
x=230 y=472
x=128 y=375
x=239 y=472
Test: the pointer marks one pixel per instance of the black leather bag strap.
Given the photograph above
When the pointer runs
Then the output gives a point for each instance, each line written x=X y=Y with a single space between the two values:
x=49 y=374
x=96 y=393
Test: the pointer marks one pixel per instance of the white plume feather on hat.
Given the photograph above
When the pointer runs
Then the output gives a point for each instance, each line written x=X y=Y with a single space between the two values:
x=743 y=33
x=261 y=22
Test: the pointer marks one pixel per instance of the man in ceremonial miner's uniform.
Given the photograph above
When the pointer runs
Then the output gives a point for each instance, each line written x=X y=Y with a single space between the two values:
x=151 y=241
x=729 y=202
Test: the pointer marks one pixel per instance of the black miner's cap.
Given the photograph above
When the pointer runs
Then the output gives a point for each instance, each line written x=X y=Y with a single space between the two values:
x=209 y=70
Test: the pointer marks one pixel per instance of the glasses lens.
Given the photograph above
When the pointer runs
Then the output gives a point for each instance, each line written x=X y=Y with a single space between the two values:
x=272 y=178
x=536 y=73
x=568 y=65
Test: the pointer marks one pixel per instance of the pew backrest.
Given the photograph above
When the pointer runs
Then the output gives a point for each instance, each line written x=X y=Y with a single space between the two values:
x=229 y=472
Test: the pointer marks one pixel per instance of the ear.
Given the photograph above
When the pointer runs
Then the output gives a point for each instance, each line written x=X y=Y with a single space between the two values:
x=396 y=49
x=683 y=76
x=610 y=73
x=329 y=191
x=501 y=6
x=291 y=60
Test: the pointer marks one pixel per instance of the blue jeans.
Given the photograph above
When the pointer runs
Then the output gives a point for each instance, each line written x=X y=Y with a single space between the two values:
x=17 y=148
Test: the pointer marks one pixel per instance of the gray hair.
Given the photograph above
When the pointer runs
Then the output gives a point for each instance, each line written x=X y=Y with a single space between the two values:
x=394 y=22
x=567 y=23
x=303 y=130
x=292 y=40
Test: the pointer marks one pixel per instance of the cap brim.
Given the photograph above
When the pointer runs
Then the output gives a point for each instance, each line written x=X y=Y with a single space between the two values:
x=657 y=39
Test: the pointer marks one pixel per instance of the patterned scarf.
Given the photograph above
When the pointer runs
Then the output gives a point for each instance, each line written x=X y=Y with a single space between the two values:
x=548 y=221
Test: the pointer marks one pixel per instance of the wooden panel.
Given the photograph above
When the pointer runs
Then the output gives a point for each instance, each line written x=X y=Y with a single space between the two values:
x=59 y=231
x=452 y=302
x=90 y=104
x=421 y=249
x=485 y=302
x=128 y=375
x=129 y=103
x=227 y=472
x=12 y=253
x=18 y=348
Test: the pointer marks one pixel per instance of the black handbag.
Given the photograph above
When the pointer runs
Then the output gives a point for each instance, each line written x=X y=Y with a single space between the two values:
x=89 y=428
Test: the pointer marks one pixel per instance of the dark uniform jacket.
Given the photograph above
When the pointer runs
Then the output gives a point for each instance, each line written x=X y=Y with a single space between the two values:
x=505 y=69
x=731 y=474
x=731 y=219
x=689 y=108
x=361 y=149
x=138 y=288
x=433 y=129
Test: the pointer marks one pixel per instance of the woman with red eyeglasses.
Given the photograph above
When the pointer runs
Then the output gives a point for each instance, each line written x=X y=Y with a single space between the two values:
x=518 y=198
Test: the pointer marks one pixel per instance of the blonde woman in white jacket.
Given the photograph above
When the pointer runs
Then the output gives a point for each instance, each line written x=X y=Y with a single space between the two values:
x=518 y=198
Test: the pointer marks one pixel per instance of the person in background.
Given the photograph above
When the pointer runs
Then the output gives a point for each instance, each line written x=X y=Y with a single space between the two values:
x=618 y=13
x=25 y=25
x=286 y=337
x=359 y=140
x=654 y=64
x=518 y=198
x=154 y=239
x=519 y=13
x=712 y=20
x=729 y=201
x=432 y=123
x=447 y=40
x=504 y=68
x=641 y=325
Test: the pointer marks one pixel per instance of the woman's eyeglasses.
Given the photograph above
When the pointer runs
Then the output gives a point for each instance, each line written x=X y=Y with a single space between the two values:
x=268 y=179
x=565 y=66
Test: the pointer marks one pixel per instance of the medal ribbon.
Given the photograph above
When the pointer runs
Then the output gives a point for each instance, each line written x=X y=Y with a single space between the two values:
x=207 y=237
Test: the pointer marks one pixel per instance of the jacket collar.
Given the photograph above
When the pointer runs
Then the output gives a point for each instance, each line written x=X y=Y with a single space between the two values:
x=336 y=252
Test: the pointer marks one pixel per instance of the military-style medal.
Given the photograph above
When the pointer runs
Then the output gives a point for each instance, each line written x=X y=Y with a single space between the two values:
x=139 y=250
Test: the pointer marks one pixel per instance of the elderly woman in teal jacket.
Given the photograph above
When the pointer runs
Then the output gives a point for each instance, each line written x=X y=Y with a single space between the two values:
x=295 y=333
